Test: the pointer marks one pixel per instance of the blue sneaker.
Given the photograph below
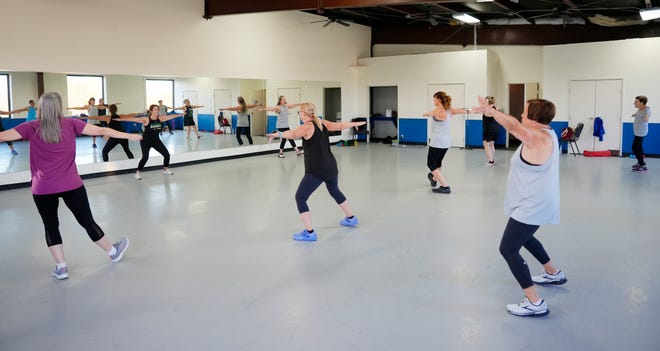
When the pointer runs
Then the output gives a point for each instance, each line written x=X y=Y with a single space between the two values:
x=304 y=235
x=121 y=246
x=349 y=222
x=60 y=273
x=13 y=152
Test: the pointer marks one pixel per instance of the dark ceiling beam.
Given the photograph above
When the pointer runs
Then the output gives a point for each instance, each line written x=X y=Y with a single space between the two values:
x=508 y=9
x=442 y=8
x=230 y=7
x=508 y=35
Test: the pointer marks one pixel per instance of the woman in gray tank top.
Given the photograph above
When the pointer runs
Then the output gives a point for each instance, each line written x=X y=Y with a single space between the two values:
x=92 y=111
x=243 y=122
x=282 y=125
x=531 y=198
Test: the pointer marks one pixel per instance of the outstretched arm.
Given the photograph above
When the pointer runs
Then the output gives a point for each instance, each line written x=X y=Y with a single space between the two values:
x=305 y=131
x=235 y=108
x=86 y=107
x=334 y=126
x=18 y=111
x=460 y=111
x=99 y=118
x=5 y=112
x=438 y=114
x=10 y=135
x=254 y=105
x=91 y=129
x=142 y=120
x=271 y=109
x=292 y=105
x=169 y=117
x=528 y=136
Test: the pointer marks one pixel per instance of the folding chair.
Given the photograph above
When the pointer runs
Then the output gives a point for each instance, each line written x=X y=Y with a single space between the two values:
x=572 y=141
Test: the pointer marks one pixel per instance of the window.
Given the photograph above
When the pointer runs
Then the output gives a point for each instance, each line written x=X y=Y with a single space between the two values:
x=160 y=89
x=81 y=88
x=4 y=92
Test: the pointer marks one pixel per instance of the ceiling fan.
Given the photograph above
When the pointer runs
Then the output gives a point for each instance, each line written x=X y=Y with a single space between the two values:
x=332 y=19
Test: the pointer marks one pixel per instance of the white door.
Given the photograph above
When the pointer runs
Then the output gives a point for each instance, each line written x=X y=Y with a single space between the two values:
x=222 y=98
x=608 y=107
x=457 y=93
x=596 y=98
x=292 y=96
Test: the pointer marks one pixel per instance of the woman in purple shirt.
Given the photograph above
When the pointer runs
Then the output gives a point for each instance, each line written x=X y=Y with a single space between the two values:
x=54 y=175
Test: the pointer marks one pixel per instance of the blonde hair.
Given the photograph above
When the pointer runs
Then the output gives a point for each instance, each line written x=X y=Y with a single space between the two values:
x=309 y=108
x=49 y=112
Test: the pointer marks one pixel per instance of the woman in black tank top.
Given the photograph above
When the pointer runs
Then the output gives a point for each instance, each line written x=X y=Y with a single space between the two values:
x=320 y=166
x=113 y=122
x=188 y=121
x=151 y=138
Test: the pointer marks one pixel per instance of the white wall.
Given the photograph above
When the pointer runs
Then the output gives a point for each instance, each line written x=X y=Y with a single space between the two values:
x=635 y=61
x=170 y=38
x=516 y=64
x=413 y=73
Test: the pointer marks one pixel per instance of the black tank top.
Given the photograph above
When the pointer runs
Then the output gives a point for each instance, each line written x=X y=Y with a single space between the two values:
x=189 y=112
x=115 y=124
x=319 y=160
x=152 y=130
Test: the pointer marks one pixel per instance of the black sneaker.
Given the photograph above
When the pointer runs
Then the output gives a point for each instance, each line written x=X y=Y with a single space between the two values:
x=640 y=169
x=433 y=182
x=442 y=190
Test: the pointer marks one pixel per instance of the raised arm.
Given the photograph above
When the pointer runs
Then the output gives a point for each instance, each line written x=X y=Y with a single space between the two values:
x=334 y=126
x=24 y=109
x=235 y=108
x=292 y=105
x=305 y=131
x=531 y=137
x=5 y=112
x=196 y=106
x=91 y=129
x=86 y=107
x=142 y=120
x=460 y=111
x=253 y=105
x=99 y=118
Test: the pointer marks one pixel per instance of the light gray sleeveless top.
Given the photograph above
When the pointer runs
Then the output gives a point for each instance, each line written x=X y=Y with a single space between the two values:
x=441 y=132
x=532 y=192
x=283 y=117
x=93 y=111
x=242 y=120
x=640 y=126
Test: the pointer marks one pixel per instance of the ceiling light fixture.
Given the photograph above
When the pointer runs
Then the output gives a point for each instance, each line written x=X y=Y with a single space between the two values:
x=485 y=0
x=650 y=14
x=465 y=18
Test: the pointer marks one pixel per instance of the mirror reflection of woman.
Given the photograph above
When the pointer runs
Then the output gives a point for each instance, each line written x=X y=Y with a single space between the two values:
x=2 y=129
x=282 y=110
x=31 y=110
x=188 y=120
x=152 y=124
x=112 y=121
x=55 y=175
x=320 y=166
x=242 y=122
x=92 y=111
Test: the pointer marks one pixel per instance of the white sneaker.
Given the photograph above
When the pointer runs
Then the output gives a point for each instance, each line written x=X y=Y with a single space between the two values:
x=137 y=176
x=528 y=309
x=168 y=172
x=555 y=279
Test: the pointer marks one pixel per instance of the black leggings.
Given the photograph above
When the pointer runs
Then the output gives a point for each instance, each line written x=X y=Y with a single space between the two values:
x=293 y=143
x=243 y=130
x=517 y=235
x=638 y=150
x=309 y=183
x=146 y=145
x=76 y=200
x=112 y=142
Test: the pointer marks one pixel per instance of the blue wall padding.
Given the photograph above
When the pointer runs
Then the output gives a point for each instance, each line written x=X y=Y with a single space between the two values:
x=558 y=126
x=271 y=123
x=412 y=130
x=474 y=134
x=9 y=123
x=205 y=122
x=651 y=142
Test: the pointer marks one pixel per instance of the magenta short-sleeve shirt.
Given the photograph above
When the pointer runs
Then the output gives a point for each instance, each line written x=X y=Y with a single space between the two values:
x=53 y=166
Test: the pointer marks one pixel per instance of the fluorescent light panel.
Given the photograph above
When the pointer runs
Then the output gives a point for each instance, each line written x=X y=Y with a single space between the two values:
x=485 y=0
x=650 y=14
x=465 y=18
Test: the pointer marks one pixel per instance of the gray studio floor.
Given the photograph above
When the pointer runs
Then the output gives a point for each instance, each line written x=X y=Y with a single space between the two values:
x=212 y=266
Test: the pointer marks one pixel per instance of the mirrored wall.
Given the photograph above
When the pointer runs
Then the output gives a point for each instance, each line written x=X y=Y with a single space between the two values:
x=135 y=93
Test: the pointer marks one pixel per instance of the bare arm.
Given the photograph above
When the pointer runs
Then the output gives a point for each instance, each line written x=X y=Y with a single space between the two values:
x=229 y=109
x=5 y=112
x=531 y=137
x=99 y=118
x=10 y=135
x=91 y=129
x=334 y=126
x=272 y=109
x=304 y=131
x=460 y=111
x=169 y=117
x=17 y=111
x=292 y=105
x=438 y=114
x=141 y=120
x=253 y=105
x=196 y=106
